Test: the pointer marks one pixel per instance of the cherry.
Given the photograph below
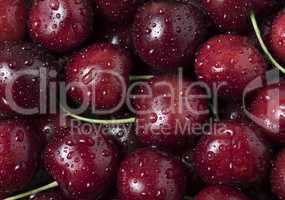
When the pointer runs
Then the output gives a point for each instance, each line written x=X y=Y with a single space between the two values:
x=83 y=163
x=229 y=62
x=101 y=73
x=166 y=34
x=267 y=111
x=12 y=20
x=277 y=37
x=18 y=157
x=148 y=174
x=22 y=67
x=278 y=174
x=163 y=105
x=50 y=195
x=60 y=25
x=232 y=15
x=50 y=125
x=221 y=193
x=232 y=153
x=116 y=11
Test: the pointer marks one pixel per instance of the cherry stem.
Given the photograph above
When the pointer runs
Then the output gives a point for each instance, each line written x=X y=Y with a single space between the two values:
x=140 y=77
x=100 y=121
x=31 y=192
x=262 y=44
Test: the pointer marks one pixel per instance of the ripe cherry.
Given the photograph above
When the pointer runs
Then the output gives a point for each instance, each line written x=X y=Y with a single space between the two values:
x=220 y=193
x=18 y=156
x=166 y=34
x=229 y=63
x=60 y=25
x=116 y=11
x=12 y=20
x=83 y=163
x=232 y=154
x=277 y=37
x=277 y=176
x=98 y=76
x=168 y=110
x=50 y=195
x=267 y=111
x=233 y=15
x=148 y=174
x=22 y=68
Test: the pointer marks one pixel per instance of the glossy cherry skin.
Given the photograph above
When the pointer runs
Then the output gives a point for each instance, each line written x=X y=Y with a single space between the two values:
x=18 y=157
x=83 y=163
x=233 y=15
x=277 y=36
x=220 y=193
x=12 y=20
x=166 y=34
x=229 y=63
x=162 y=106
x=267 y=111
x=18 y=58
x=116 y=11
x=277 y=175
x=232 y=154
x=102 y=70
x=49 y=195
x=148 y=174
x=60 y=25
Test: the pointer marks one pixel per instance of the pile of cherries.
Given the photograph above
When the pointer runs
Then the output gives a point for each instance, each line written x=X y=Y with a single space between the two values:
x=164 y=65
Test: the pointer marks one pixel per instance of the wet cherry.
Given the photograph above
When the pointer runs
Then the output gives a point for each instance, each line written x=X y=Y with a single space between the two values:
x=232 y=154
x=22 y=68
x=167 y=110
x=83 y=163
x=148 y=174
x=60 y=25
x=98 y=76
x=220 y=193
x=277 y=176
x=50 y=195
x=18 y=156
x=229 y=63
x=12 y=20
x=166 y=34
x=267 y=111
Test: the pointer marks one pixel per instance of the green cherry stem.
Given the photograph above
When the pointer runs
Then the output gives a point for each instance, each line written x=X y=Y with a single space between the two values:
x=34 y=191
x=100 y=121
x=262 y=44
x=140 y=77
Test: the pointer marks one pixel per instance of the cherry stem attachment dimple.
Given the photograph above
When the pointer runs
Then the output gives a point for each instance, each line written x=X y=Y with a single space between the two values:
x=140 y=77
x=262 y=44
x=100 y=121
x=34 y=191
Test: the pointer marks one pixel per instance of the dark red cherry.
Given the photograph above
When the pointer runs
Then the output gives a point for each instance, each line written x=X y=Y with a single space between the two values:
x=229 y=63
x=233 y=15
x=277 y=36
x=60 y=25
x=278 y=175
x=12 y=20
x=83 y=163
x=166 y=34
x=232 y=153
x=19 y=154
x=98 y=76
x=220 y=193
x=23 y=70
x=267 y=111
x=148 y=174
x=50 y=125
x=167 y=110
x=49 y=195
x=116 y=11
